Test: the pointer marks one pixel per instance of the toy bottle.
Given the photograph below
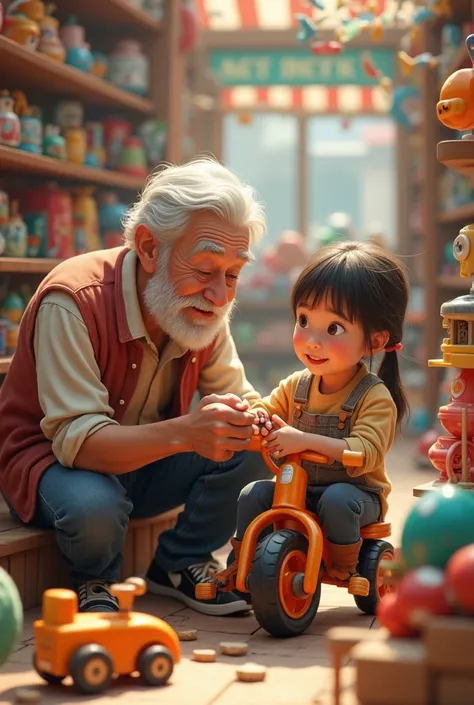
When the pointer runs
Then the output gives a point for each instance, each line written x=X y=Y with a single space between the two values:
x=78 y=53
x=22 y=30
x=10 y=130
x=86 y=221
x=133 y=159
x=49 y=42
x=129 y=67
x=95 y=144
x=111 y=213
x=16 y=234
x=76 y=145
x=54 y=144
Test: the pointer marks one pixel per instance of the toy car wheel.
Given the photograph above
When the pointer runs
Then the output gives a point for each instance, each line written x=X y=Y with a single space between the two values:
x=48 y=677
x=91 y=669
x=156 y=665
x=278 y=559
x=371 y=554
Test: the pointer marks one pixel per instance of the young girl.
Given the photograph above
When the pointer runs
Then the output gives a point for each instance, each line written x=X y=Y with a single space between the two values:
x=349 y=304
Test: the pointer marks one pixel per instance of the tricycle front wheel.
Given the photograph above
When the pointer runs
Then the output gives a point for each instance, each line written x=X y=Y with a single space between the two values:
x=278 y=608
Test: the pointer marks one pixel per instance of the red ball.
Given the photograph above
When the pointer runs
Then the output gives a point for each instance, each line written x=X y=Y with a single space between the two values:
x=390 y=617
x=460 y=578
x=421 y=593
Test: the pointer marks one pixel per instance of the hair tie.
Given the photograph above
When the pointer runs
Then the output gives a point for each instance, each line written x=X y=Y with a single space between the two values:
x=395 y=348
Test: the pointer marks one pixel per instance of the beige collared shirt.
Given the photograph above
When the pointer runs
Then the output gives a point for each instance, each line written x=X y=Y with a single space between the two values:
x=74 y=401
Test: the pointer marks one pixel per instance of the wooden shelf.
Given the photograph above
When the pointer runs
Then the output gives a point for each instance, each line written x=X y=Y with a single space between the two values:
x=457 y=155
x=25 y=265
x=37 y=72
x=456 y=215
x=112 y=12
x=452 y=281
x=4 y=365
x=18 y=162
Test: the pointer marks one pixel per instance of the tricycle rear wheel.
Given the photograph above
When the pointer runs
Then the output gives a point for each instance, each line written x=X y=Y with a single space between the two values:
x=277 y=608
x=372 y=553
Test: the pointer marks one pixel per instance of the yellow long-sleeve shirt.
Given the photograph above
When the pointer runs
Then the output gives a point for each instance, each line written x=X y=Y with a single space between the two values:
x=372 y=425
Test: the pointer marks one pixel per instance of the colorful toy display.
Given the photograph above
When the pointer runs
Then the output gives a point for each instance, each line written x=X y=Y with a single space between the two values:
x=284 y=572
x=92 y=647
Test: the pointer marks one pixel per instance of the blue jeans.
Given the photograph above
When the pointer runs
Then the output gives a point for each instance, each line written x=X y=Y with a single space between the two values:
x=342 y=508
x=90 y=511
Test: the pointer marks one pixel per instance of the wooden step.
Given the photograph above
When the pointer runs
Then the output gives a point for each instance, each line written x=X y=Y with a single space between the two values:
x=31 y=555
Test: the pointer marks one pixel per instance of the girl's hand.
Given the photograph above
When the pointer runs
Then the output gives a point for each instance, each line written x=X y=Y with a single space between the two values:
x=284 y=440
x=262 y=424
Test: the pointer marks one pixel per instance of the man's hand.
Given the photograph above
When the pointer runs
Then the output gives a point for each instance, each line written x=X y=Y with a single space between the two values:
x=231 y=400
x=216 y=430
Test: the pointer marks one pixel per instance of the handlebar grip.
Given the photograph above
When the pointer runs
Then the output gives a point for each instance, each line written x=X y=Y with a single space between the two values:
x=352 y=459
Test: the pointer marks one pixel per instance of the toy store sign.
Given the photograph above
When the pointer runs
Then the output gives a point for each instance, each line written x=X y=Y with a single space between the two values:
x=298 y=68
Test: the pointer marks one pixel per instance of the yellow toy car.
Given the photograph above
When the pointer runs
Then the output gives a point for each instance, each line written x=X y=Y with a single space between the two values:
x=94 y=647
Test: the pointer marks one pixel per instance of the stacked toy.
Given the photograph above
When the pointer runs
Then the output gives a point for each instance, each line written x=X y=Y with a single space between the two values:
x=434 y=572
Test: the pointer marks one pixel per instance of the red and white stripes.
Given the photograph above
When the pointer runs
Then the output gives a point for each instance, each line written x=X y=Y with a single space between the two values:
x=345 y=100
x=234 y=15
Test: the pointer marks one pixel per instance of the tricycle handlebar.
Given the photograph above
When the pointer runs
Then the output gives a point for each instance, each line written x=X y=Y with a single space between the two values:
x=350 y=458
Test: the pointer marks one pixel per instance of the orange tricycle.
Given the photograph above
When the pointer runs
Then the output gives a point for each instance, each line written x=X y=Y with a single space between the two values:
x=284 y=571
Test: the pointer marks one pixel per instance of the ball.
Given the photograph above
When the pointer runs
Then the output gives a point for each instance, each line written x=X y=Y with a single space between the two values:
x=421 y=593
x=11 y=615
x=439 y=524
x=389 y=615
x=460 y=578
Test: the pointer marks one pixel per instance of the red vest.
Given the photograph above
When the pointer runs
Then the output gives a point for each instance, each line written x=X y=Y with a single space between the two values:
x=94 y=281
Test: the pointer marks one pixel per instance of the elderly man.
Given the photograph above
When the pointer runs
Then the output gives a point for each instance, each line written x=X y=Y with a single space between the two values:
x=95 y=419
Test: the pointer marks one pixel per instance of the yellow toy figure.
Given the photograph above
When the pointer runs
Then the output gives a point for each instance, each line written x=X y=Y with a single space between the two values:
x=349 y=304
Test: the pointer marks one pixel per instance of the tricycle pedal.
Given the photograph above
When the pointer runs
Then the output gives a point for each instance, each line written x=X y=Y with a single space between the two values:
x=358 y=586
x=205 y=591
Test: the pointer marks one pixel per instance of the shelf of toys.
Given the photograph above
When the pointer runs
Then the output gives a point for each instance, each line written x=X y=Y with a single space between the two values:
x=444 y=197
x=84 y=117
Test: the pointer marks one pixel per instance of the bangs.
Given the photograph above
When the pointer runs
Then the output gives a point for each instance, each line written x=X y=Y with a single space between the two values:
x=340 y=285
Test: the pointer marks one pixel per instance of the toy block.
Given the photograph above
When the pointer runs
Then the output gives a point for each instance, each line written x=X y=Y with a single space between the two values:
x=454 y=689
x=449 y=644
x=391 y=672
x=340 y=641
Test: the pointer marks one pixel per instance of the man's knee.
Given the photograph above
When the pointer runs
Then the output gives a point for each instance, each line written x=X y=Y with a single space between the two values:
x=93 y=508
x=252 y=466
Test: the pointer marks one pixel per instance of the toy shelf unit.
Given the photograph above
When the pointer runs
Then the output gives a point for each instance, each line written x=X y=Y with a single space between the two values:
x=85 y=116
x=452 y=454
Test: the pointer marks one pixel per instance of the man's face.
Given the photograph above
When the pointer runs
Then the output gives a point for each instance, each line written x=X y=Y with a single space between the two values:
x=192 y=291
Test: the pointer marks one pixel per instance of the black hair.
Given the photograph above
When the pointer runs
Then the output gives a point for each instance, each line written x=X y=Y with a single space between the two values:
x=367 y=285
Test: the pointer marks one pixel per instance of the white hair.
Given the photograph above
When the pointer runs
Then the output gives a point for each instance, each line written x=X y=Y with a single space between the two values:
x=173 y=194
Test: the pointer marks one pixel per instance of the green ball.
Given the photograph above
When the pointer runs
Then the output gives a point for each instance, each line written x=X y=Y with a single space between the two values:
x=439 y=524
x=11 y=615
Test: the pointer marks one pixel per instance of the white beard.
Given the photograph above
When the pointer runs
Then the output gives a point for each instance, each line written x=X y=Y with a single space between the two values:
x=166 y=307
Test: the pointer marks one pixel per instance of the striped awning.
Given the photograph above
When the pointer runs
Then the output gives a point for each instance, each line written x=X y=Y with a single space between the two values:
x=235 y=15
x=326 y=100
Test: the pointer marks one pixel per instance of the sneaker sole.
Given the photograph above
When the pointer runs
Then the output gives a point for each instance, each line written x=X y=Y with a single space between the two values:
x=212 y=610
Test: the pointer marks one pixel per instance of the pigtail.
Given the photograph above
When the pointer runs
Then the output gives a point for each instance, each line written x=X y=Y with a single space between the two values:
x=389 y=373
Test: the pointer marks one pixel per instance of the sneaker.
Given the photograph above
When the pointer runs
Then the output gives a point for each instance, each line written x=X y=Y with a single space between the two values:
x=181 y=586
x=95 y=596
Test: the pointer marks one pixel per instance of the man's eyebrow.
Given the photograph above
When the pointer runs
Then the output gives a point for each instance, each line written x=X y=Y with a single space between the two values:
x=215 y=249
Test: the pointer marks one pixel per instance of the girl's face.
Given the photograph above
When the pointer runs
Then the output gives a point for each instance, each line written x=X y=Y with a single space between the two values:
x=326 y=343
